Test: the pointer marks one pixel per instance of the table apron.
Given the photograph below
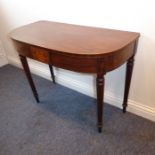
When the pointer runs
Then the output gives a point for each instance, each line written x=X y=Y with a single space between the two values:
x=74 y=63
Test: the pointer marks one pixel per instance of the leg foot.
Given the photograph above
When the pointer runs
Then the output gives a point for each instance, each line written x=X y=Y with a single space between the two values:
x=99 y=129
x=37 y=98
x=124 y=109
x=52 y=73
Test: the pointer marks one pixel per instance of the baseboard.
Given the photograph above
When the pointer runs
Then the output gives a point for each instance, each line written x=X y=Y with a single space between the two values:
x=3 y=60
x=133 y=106
x=3 y=57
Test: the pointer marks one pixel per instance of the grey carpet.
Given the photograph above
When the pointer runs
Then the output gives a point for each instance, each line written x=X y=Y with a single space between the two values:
x=64 y=123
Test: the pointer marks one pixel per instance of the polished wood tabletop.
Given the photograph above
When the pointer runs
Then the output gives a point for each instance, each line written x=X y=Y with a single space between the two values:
x=77 y=48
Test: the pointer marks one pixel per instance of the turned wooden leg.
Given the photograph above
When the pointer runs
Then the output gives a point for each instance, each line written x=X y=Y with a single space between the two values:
x=52 y=73
x=29 y=77
x=100 y=91
x=129 y=69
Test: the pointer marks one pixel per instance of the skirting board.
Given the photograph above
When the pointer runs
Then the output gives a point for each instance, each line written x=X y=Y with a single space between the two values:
x=133 y=106
x=3 y=60
x=3 y=57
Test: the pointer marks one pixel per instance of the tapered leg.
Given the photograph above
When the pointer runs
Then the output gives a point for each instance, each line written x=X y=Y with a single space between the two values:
x=52 y=73
x=129 y=69
x=29 y=77
x=100 y=94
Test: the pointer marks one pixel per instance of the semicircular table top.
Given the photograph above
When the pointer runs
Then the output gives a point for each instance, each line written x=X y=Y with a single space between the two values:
x=73 y=39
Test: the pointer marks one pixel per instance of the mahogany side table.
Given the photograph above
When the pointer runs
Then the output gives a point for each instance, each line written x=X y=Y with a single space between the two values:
x=77 y=48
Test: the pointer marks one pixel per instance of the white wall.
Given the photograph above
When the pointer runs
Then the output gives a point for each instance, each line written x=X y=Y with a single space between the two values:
x=128 y=15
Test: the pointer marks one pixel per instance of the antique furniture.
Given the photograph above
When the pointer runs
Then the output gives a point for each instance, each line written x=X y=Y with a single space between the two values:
x=77 y=48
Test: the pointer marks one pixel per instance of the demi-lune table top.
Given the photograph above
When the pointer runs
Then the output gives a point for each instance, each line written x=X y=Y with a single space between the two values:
x=73 y=39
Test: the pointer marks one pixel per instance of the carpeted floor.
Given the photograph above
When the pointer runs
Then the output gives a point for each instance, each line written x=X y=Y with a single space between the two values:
x=64 y=123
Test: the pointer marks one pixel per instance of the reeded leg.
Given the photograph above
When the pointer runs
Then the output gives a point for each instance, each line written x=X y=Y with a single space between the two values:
x=52 y=73
x=29 y=77
x=129 y=69
x=100 y=91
